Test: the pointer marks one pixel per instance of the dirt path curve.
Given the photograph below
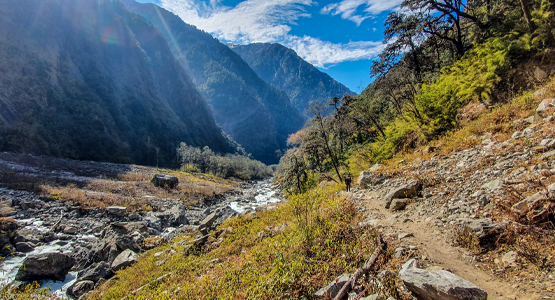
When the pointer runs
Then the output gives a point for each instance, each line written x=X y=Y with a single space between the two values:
x=431 y=244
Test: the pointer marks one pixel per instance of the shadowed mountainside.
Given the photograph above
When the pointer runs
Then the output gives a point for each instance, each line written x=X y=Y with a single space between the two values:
x=257 y=115
x=86 y=79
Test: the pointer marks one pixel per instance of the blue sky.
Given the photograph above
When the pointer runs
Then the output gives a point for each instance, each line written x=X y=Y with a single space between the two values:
x=338 y=37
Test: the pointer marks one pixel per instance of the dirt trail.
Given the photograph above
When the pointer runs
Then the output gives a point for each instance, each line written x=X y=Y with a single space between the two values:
x=431 y=244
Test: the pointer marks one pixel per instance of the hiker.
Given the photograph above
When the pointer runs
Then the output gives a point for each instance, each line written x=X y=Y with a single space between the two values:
x=347 y=183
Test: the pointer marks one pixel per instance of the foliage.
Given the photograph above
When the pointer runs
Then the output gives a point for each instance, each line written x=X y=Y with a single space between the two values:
x=262 y=256
x=231 y=165
x=29 y=291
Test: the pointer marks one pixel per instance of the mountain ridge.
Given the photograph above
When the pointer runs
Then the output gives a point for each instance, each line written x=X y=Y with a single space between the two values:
x=283 y=68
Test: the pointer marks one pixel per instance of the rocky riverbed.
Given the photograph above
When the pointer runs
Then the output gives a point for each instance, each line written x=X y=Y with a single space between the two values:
x=93 y=242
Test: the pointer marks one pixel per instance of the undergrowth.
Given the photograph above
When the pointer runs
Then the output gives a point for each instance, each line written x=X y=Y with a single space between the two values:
x=286 y=253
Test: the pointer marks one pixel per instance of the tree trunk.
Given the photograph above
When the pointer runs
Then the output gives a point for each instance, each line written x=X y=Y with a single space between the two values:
x=527 y=15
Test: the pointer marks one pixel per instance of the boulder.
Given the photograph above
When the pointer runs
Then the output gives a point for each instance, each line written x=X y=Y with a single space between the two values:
x=117 y=210
x=53 y=266
x=8 y=228
x=529 y=203
x=399 y=204
x=152 y=221
x=331 y=290
x=486 y=231
x=207 y=223
x=493 y=185
x=409 y=190
x=364 y=179
x=438 y=285
x=95 y=272
x=25 y=247
x=88 y=253
x=165 y=181
x=122 y=236
x=80 y=288
x=125 y=259
x=174 y=216
x=544 y=106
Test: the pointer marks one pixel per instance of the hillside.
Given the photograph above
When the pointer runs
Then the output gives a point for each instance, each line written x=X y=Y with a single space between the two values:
x=257 y=115
x=284 y=69
x=88 y=80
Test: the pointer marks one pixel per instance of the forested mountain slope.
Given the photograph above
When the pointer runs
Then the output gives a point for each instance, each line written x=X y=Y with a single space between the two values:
x=86 y=79
x=283 y=68
x=259 y=116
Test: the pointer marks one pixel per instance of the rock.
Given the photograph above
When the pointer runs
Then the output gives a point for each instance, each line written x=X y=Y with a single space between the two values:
x=80 y=288
x=364 y=179
x=544 y=105
x=429 y=149
x=539 y=149
x=516 y=134
x=207 y=223
x=510 y=259
x=125 y=259
x=404 y=235
x=45 y=266
x=494 y=184
x=25 y=247
x=373 y=297
x=120 y=237
x=399 y=252
x=399 y=204
x=331 y=290
x=531 y=202
x=8 y=227
x=88 y=253
x=174 y=216
x=95 y=272
x=486 y=231
x=438 y=285
x=152 y=221
x=71 y=230
x=166 y=181
x=409 y=190
x=117 y=210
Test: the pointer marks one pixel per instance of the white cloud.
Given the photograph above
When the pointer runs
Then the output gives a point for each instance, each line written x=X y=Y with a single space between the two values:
x=349 y=9
x=269 y=21
x=322 y=54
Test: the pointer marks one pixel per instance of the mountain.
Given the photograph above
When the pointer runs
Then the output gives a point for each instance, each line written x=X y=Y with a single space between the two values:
x=256 y=114
x=86 y=79
x=283 y=68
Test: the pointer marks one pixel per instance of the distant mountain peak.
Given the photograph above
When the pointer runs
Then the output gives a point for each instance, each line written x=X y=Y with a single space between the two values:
x=283 y=68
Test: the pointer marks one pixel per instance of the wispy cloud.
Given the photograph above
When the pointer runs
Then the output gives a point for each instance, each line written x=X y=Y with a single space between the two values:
x=360 y=10
x=269 y=21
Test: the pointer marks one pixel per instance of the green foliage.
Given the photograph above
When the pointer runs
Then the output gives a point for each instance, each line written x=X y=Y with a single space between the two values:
x=204 y=160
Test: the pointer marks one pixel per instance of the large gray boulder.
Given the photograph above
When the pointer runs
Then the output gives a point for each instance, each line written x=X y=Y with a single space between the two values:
x=125 y=259
x=207 y=223
x=95 y=272
x=123 y=236
x=165 y=181
x=409 y=190
x=333 y=288
x=364 y=179
x=438 y=285
x=80 y=288
x=45 y=266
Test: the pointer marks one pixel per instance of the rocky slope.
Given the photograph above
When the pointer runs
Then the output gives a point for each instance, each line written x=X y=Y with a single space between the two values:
x=284 y=69
x=86 y=79
x=482 y=213
x=257 y=115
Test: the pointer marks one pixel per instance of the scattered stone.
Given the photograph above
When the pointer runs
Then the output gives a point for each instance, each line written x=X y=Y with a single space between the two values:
x=405 y=235
x=206 y=224
x=331 y=290
x=125 y=259
x=45 y=266
x=493 y=185
x=117 y=210
x=374 y=297
x=165 y=181
x=539 y=149
x=71 y=230
x=438 y=285
x=399 y=252
x=523 y=207
x=544 y=105
x=510 y=259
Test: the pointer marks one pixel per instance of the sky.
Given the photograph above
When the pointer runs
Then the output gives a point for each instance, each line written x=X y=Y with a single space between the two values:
x=339 y=37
